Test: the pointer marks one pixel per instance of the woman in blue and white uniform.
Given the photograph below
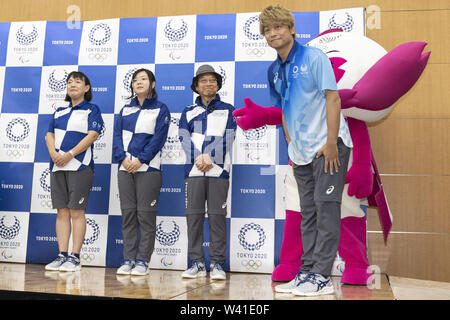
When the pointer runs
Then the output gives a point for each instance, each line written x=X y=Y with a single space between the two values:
x=140 y=132
x=70 y=137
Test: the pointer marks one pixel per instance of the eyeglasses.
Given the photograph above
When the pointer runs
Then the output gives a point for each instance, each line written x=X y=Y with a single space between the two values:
x=205 y=81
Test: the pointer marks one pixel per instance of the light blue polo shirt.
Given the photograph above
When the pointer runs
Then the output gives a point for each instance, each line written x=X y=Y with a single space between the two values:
x=298 y=86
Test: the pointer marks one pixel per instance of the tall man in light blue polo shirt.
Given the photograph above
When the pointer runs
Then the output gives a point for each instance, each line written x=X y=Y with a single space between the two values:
x=303 y=84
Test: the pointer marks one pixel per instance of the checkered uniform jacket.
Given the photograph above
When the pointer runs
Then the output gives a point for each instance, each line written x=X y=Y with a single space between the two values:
x=141 y=131
x=209 y=130
x=70 y=125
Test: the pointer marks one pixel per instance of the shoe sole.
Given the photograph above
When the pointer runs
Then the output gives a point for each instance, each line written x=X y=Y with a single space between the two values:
x=286 y=290
x=123 y=273
x=70 y=270
x=219 y=278
x=51 y=269
x=322 y=292
x=139 y=274
x=199 y=274
x=281 y=290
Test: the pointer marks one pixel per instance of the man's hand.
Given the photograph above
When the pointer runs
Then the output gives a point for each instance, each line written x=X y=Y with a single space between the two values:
x=331 y=156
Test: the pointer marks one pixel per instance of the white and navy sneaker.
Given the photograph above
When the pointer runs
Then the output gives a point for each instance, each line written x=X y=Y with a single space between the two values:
x=196 y=270
x=71 y=264
x=126 y=267
x=57 y=263
x=216 y=272
x=140 y=268
x=291 y=285
x=314 y=285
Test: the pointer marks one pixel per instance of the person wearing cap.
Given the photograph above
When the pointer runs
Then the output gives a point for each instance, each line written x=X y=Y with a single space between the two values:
x=207 y=130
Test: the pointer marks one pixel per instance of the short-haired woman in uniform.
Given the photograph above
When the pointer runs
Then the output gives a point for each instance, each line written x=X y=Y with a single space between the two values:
x=70 y=137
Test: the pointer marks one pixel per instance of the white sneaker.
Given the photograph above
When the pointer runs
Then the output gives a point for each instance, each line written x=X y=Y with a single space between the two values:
x=216 y=272
x=140 y=268
x=314 y=285
x=56 y=264
x=72 y=264
x=197 y=270
x=291 y=285
x=126 y=267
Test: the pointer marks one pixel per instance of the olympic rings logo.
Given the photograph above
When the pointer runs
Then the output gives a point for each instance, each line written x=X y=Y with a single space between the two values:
x=87 y=257
x=251 y=264
x=46 y=204
x=99 y=57
x=15 y=154
x=257 y=52
x=170 y=155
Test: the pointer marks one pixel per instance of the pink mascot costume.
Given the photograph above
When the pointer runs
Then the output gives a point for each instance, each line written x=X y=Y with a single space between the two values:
x=370 y=81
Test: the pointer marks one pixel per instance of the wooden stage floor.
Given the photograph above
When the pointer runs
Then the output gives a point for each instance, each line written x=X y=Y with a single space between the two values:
x=167 y=285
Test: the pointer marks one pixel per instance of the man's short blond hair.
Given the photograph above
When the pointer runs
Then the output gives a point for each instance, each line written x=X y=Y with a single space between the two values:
x=275 y=14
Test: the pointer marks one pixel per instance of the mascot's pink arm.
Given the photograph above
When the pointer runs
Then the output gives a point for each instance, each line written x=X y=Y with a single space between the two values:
x=360 y=176
x=253 y=116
